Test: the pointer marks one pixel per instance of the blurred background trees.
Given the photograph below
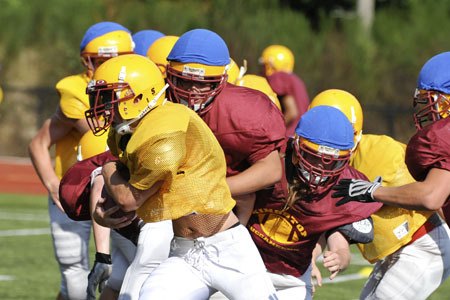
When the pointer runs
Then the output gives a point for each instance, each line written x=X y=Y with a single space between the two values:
x=376 y=59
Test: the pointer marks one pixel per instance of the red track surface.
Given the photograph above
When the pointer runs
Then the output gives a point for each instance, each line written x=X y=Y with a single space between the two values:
x=17 y=176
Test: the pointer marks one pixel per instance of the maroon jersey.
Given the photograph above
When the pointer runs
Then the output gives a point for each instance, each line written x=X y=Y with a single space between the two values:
x=284 y=84
x=75 y=186
x=430 y=148
x=248 y=127
x=286 y=236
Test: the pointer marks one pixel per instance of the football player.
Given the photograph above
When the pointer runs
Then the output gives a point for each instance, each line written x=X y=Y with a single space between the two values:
x=144 y=39
x=176 y=172
x=249 y=128
x=64 y=130
x=234 y=72
x=111 y=258
x=261 y=84
x=286 y=232
x=159 y=51
x=401 y=236
x=278 y=66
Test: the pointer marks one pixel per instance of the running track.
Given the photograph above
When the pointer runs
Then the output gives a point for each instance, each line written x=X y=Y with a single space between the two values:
x=17 y=176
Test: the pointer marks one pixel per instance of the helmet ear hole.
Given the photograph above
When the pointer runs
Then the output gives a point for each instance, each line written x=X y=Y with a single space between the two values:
x=138 y=98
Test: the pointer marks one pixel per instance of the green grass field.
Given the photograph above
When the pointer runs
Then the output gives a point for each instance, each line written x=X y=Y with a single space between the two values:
x=28 y=269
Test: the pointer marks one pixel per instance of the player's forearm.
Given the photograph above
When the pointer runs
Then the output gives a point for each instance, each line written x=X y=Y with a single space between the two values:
x=101 y=238
x=344 y=258
x=42 y=163
x=118 y=187
x=262 y=174
x=124 y=194
x=411 y=196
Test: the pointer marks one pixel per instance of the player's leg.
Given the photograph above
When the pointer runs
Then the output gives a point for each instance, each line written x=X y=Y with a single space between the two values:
x=290 y=287
x=153 y=248
x=122 y=254
x=174 y=279
x=71 y=246
x=231 y=263
x=414 y=271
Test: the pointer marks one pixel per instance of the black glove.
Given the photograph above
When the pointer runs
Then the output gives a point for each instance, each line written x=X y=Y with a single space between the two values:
x=355 y=190
x=100 y=272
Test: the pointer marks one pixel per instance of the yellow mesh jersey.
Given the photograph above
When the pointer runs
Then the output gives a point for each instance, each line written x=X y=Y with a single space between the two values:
x=380 y=155
x=174 y=145
x=73 y=103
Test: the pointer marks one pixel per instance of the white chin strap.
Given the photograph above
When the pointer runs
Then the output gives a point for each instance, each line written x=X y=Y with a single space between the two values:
x=126 y=128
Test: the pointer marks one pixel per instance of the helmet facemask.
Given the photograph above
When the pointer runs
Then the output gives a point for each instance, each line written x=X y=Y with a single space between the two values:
x=430 y=106
x=182 y=83
x=92 y=61
x=318 y=166
x=104 y=98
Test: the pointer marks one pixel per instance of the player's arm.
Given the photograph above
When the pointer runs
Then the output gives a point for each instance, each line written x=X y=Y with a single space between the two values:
x=337 y=257
x=101 y=234
x=290 y=110
x=263 y=173
x=51 y=131
x=315 y=271
x=125 y=195
x=429 y=194
x=244 y=207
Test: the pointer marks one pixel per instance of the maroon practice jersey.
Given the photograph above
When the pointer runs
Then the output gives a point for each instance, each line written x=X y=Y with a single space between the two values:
x=284 y=84
x=75 y=186
x=286 y=236
x=430 y=148
x=248 y=127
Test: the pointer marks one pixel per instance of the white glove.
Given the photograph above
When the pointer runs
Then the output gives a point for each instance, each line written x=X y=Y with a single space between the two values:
x=99 y=274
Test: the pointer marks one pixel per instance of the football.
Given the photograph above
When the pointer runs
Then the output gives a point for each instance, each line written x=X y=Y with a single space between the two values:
x=109 y=203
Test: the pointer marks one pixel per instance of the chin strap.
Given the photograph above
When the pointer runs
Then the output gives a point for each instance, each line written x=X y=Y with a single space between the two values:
x=125 y=127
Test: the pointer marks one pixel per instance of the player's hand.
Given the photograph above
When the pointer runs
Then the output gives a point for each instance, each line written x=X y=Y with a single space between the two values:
x=355 y=190
x=104 y=216
x=53 y=189
x=99 y=274
x=332 y=262
x=315 y=273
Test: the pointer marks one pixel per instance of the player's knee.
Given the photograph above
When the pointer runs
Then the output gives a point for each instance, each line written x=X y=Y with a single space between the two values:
x=76 y=283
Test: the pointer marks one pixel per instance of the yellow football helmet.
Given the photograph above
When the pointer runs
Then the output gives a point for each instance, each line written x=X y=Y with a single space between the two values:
x=124 y=89
x=346 y=103
x=102 y=41
x=91 y=145
x=1 y=95
x=235 y=72
x=277 y=58
x=261 y=84
x=159 y=51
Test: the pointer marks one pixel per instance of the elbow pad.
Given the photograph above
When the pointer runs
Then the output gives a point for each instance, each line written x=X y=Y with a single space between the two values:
x=357 y=232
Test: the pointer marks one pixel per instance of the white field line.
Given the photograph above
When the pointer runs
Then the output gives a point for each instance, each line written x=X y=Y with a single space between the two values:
x=343 y=278
x=24 y=232
x=357 y=260
x=6 y=278
x=14 y=216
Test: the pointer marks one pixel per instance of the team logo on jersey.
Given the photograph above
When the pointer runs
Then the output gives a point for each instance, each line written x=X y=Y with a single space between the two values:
x=278 y=228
